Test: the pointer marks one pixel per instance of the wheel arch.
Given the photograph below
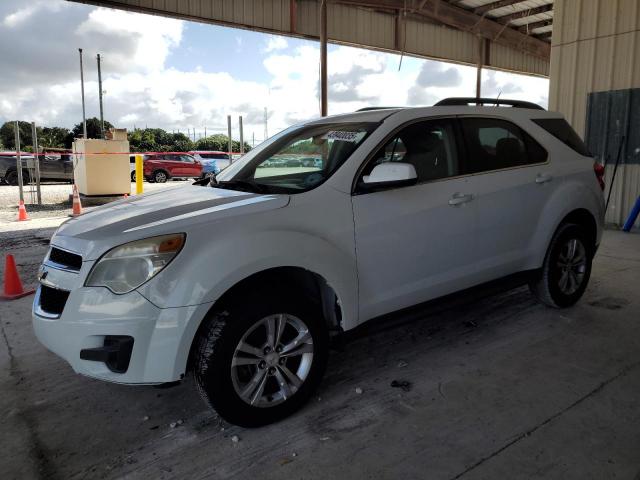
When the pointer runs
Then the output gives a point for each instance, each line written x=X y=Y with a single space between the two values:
x=310 y=284
x=584 y=218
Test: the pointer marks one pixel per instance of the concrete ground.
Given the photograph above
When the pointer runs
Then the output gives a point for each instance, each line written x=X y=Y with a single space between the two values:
x=500 y=388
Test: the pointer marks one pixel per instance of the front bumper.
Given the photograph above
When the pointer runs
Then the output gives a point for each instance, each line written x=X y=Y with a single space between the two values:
x=161 y=337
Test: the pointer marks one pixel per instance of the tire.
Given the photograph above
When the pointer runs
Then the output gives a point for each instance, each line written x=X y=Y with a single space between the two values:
x=11 y=177
x=160 y=176
x=133 y=176
x=221 y=384
x=564 y=275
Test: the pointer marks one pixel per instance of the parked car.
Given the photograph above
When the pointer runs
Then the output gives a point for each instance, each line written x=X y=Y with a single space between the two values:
x=212 y=161
x=132 y=166
x=160 y=167
x=243 y=281
x=53 y=167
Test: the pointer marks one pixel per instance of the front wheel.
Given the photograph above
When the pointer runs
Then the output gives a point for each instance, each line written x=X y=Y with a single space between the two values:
x=260 y=360
x=567 y=267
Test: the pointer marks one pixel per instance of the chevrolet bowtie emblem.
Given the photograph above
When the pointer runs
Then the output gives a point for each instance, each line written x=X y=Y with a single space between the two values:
x=42 y=274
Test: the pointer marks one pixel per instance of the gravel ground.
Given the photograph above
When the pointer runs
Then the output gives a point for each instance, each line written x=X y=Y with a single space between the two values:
x=56 y=206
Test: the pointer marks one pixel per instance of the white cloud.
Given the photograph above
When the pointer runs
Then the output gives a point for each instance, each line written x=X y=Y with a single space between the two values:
x=275 y=42
x=41 y=80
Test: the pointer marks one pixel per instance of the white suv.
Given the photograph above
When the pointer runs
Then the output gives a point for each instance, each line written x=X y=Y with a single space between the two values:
x=243 y=281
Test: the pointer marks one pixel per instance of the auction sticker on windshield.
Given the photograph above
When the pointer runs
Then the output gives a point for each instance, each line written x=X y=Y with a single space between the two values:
x=353 y=137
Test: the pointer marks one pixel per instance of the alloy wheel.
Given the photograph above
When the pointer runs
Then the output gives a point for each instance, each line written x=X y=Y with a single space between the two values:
x=572 y=266
x=272 y=360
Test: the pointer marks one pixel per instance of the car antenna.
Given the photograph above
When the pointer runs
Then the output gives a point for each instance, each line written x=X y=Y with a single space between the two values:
x=498 y=98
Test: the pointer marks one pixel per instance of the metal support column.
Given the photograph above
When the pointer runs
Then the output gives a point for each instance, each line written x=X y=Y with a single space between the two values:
x=18 y=160
x=36 y=153
x=323 y=58
x=230 y=141
x=241 y=136
x=100 y=98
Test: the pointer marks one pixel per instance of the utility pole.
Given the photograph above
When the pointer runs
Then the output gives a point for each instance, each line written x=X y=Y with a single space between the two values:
x=241 y=136
x=84 y=117
x=230 y=141
x=323 y=58
x=100 y=97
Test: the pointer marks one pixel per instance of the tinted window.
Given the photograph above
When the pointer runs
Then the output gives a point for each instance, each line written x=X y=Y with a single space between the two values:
x=494 y=144
x=429 y=146
x=187 y=158
x=214 y=155
x=559 y=128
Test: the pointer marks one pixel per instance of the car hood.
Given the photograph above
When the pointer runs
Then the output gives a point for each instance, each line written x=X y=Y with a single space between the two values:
x=167 y=211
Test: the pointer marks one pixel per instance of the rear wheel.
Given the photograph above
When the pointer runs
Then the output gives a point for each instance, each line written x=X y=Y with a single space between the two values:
x=261 y=359
x=12 y=177
x=133 y=176
x=160 y=176
x=567 y=267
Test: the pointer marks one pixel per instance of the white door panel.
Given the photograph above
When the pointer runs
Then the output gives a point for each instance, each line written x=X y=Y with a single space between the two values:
x=509 y=204
x=412 y=245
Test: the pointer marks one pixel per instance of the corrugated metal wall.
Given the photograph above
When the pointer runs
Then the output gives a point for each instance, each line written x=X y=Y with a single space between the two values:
x=347 y=24
x=596 y=48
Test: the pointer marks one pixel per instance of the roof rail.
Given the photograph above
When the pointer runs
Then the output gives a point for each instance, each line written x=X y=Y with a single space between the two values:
x=495 y=102
x=368 y=109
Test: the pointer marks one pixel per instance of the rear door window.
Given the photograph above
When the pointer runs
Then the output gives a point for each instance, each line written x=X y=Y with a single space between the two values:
x=494 y=144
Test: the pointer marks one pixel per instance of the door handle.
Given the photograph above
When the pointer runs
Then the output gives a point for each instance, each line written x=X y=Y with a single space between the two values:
x=543 y=178
x=459 y=199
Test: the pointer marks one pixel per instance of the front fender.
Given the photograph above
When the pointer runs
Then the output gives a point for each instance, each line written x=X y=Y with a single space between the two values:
x=219 y=265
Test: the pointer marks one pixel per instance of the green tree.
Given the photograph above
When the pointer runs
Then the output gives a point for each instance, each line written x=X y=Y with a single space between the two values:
x=219 y=142
x=158 y=140
x=54 y=137
x=93 y=128
x=7 y=134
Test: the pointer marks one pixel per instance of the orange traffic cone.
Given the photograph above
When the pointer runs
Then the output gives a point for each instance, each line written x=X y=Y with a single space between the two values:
x=22 y=212
x=12 y=284
x=77 y=207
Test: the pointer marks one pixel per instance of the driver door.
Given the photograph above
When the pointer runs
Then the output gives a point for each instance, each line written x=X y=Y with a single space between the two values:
x=415 y=243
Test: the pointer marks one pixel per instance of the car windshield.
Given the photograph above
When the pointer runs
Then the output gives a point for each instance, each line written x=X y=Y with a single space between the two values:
x=295 y=160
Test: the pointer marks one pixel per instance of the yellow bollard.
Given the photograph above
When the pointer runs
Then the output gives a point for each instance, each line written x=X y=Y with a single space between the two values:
x=139 y=174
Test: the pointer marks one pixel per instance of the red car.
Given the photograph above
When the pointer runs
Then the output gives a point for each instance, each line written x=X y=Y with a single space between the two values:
x=160 y=167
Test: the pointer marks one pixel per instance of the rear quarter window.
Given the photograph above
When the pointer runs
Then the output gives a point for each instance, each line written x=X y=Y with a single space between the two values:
x=560 y=128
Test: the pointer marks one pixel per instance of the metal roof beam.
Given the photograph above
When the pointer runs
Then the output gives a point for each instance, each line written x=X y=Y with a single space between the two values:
x=529 y=12
x=494 y=5
x=527 y=27
x=461 y=19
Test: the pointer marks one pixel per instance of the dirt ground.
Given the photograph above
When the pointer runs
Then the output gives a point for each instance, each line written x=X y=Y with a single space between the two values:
x=499 y=388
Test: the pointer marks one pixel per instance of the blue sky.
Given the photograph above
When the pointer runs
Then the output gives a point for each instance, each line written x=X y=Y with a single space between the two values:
x=175 y=74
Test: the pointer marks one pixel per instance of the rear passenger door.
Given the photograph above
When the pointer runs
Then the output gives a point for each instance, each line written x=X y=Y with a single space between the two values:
x=511 y=179
x=175 y=165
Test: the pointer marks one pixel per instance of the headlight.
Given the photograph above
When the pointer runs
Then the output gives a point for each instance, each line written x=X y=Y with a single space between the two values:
x=128 y=266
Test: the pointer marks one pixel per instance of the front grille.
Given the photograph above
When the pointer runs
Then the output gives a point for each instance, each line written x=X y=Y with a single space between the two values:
x=66 y=259
x=52 y=300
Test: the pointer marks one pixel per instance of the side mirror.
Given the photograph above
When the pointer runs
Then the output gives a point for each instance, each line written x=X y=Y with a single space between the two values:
x=389 y=175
